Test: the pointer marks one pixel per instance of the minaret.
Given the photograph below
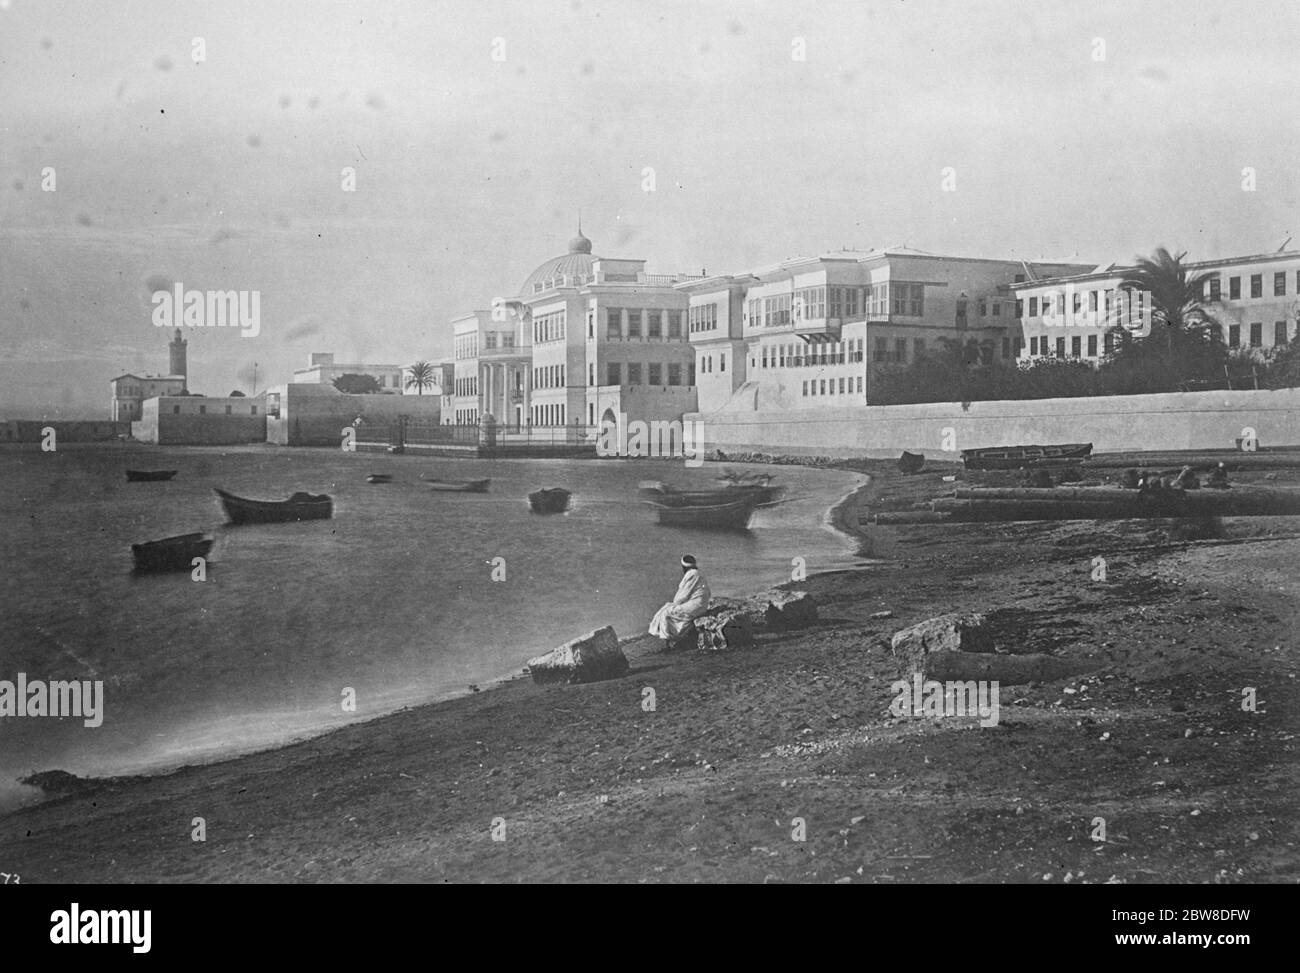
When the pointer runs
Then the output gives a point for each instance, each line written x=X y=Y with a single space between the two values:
x=177 y=365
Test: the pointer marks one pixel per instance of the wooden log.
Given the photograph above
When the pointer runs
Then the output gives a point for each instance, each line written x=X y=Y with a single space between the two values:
x=909 y=517
x=1198 y=503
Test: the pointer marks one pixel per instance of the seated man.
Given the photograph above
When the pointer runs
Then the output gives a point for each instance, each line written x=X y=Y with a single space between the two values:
x=674 y=622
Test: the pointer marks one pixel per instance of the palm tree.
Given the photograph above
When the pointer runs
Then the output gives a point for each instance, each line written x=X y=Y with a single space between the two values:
x=1177 y=297
x=421 y=376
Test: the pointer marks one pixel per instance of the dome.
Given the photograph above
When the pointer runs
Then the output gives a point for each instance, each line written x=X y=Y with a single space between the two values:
x=569 y=270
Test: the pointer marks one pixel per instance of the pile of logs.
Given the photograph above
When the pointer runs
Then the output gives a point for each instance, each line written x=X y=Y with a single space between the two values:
x=1096 y=503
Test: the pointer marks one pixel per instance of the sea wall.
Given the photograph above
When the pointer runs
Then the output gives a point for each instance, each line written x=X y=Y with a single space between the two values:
x=66 y=430
x=1176 y=420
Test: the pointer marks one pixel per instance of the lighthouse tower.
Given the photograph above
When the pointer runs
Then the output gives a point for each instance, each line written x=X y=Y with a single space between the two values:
x=177 y=364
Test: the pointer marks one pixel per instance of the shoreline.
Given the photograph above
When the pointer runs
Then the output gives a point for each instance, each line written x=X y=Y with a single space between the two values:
x=591 y=786
x=837 y=517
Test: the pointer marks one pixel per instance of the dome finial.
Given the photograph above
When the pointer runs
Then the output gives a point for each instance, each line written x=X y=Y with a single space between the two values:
x=580 y=244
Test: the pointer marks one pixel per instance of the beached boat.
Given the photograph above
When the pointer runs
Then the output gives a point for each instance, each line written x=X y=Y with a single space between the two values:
x=148 y=476
x=1016 y=457
x=911 y=462
x=552 y=501
x=732 y=514
x=171 y=553
x=458 y=486
x=379 y=478
x=300 y=506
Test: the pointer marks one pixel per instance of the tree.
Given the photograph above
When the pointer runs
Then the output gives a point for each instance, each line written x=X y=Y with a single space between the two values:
x=421 y=376
x=355 y=384
x=1177 y=301
x=236 y=394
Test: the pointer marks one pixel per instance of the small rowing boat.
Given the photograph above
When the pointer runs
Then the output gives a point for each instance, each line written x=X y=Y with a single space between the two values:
x=148 y=476
x=171 y=553
x=300 y=506
x=458 y=486
x=379 y=478
x=729 y=515
x=552 y=501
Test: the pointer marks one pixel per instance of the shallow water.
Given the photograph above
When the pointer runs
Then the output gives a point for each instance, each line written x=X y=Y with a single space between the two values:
x=393 y=598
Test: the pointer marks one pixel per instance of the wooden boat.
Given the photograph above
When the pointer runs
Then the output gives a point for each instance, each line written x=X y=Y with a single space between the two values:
x=759 y=493
x=300 y=506
x=732 y=514
x=1016 y=457
x=458 y=486
x=911 y=462
x=379 y=478
x=148 y=476
x=171 y=553
x=552 y=501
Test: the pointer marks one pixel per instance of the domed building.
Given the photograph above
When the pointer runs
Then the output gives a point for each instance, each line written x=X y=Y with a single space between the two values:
x=603 y=339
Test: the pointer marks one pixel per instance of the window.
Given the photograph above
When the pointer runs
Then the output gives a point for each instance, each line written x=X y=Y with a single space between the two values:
x=997 y=309
x=613 y=374
x=591 y=373
x=1234 y=336
x=674 y=373
x=822 y=385
x=634 y=322
x=1076 y=302
x=1060 y=347
x=1216 y=289
x=841 y=386
x=1092 y=346
x=805 y=388
x=1279 y=284
x=1033 y=345
x=859 y=384
x=656 y=373
x=1257 y=334
x=900 y=349
x=1076 y=346
x=1092 y=301
x=1234 y=288
x=1033 y=307
x=1279 y=332
x=1020 y=307
x=591 y=324
x=722 y=363
x=254 y=412
x=1108 y=342
x=614 y=327
x=918 y=348
x=812 y=303
x=675 y=324
x=984 y=308
x=882 y=349
x=1019 y=278
x=633 y=373
x=1256 y=285
x=655 y=326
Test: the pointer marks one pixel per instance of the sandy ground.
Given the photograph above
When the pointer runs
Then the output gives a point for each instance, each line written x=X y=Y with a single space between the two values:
x=584 y=783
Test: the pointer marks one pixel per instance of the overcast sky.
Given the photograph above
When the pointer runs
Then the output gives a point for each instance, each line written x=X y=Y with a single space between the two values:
x=225 y=173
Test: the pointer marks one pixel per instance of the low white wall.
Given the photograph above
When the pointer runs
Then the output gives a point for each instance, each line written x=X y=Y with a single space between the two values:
x=1175 y=420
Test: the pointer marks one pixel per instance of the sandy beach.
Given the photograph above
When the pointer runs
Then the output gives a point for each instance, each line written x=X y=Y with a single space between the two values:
x=745 y=752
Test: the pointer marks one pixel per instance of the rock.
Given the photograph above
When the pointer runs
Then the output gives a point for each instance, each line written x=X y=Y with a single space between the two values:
x=789 y=609
x=953 y=632
x=724 y=628
x=594 y=656
x=1006 y=670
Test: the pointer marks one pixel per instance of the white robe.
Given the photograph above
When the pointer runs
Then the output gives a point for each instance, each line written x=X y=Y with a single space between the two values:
x=691 y=601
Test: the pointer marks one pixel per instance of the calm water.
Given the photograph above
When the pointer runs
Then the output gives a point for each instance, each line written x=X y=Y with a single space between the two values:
x=393 y=597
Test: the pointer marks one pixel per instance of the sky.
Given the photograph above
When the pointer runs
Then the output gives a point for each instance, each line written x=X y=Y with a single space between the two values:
x=477 y=132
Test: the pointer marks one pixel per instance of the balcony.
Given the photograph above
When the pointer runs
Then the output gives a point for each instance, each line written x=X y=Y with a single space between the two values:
x=818 y=329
